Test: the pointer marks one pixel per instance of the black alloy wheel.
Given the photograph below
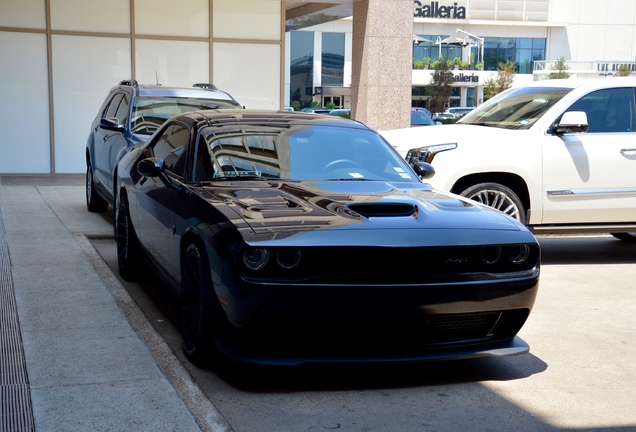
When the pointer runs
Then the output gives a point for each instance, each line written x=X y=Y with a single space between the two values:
x=200 y=312
x=499 y=197
x=94 y=202
x=128 y=254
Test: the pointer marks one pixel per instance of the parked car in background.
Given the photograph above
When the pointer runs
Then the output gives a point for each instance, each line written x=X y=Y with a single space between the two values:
x=129 y=115
x=341 y=112
x=294 y=238
x=317 y=110
x=558 y=155
x=420 y=118
x=444 y=117
x=459 y=112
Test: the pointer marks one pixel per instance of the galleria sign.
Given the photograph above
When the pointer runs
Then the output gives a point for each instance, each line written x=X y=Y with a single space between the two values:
x=434 y=10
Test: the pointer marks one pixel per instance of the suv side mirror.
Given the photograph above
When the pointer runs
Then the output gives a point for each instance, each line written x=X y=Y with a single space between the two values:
x=571 y=122
x=111 y=124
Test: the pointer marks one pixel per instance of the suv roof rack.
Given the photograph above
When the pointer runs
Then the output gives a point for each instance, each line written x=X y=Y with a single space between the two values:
x=131 y=82
x=205 y=86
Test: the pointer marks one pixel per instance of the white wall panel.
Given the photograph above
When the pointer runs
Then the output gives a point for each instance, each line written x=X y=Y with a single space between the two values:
x=172 y=63
x=247 y=19
x=24 y=111
x=23 y=14
x=249 y=72
x=112 y=16
x=189 y=18
x=84 y=70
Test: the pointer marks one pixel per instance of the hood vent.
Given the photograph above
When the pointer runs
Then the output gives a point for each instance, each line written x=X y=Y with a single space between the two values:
x=370 y=210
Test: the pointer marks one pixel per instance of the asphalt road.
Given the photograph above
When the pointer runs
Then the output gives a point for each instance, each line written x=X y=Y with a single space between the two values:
x=580 y=373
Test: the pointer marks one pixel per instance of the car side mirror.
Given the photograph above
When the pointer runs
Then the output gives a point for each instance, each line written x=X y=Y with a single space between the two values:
x=423 y=169
x=111 y=124
x=571 y=122
x=151 y=167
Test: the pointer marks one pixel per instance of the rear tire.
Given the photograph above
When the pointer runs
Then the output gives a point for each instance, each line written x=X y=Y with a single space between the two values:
x=499 y=197
x=94 y=202
x=629 y=237
x=128 y=251
x=200 y=311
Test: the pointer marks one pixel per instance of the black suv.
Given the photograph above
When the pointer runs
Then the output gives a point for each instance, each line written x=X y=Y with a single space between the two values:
x=128 y=116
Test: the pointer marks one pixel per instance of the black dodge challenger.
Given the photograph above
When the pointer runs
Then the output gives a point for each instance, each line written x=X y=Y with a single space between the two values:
x=295 y=238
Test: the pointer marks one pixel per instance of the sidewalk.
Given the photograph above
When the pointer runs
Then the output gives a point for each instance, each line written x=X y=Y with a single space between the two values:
x=89 y=367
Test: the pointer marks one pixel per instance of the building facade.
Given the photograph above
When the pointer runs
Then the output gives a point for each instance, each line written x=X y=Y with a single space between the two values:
x=593 y=37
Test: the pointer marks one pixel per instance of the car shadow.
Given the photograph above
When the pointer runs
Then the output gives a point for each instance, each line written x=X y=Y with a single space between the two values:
x=586 y=250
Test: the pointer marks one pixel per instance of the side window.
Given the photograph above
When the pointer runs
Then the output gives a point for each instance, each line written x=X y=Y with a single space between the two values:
x=123 y=109
x=172 y=147
x=203 y=169
x=111 y=111
x=608 y=110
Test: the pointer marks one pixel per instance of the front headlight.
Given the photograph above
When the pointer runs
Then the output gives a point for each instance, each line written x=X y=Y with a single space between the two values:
x=427 y=153
x=255 y=258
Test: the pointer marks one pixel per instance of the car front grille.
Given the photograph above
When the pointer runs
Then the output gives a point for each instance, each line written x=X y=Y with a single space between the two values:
x=372 y=336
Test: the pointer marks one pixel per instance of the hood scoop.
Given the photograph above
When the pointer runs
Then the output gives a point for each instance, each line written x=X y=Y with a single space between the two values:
x=370 y=210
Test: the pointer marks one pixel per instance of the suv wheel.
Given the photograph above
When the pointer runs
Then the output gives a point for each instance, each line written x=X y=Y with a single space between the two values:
x=499 y=197
x=94 y=201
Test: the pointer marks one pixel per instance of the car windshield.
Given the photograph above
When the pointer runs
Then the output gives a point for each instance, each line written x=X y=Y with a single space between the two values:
x=299 y=152
x=517 y=108
x=151 y=112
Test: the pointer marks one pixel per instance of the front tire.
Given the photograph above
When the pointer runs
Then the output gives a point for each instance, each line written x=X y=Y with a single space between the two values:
x=128 y=252
x=499 y=197
x=200 y=312
x=94 y=202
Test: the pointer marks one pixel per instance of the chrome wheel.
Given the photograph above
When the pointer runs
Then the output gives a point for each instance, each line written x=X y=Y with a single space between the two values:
x=498 y=197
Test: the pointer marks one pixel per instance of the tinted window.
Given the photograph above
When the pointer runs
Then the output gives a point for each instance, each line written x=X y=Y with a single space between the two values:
x=608 y=110
x=172 y=148
x=111 y=110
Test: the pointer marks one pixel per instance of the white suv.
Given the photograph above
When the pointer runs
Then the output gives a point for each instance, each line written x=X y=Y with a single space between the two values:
x=558 y=155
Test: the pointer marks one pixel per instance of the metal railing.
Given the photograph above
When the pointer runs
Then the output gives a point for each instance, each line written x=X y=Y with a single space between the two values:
x=585 y=69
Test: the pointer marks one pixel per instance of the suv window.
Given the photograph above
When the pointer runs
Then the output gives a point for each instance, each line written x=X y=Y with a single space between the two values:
x=608 y=110
x=123 y=108
x=172 y=146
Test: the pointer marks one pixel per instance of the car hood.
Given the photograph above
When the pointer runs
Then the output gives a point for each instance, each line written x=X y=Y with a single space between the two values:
x=406 y=139
x=358 y=213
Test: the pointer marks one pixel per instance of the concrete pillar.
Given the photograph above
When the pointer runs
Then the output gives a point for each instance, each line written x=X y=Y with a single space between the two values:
x=382 y=49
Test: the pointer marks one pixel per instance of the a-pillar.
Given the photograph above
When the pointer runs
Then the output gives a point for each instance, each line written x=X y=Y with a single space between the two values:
x=382 y=63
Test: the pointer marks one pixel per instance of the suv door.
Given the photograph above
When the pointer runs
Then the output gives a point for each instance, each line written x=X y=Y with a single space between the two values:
x=590 y=177
x=109 y=143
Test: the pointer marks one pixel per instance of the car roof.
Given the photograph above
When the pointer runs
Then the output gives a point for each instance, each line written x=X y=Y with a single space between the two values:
x=223 y=117
x=198 y=90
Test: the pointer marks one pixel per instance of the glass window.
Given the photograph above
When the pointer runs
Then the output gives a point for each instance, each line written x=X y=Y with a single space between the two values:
x=333 y=59
x=123 y=109
x=172 y=148
x=301 y=67
x=608 y=110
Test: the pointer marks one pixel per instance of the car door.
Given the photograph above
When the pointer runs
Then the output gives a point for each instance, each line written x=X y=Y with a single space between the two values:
x=591 y=177
x=157 y=198
x=109 y=143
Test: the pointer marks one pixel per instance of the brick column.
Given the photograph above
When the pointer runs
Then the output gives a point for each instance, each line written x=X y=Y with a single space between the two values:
x=382 y=62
